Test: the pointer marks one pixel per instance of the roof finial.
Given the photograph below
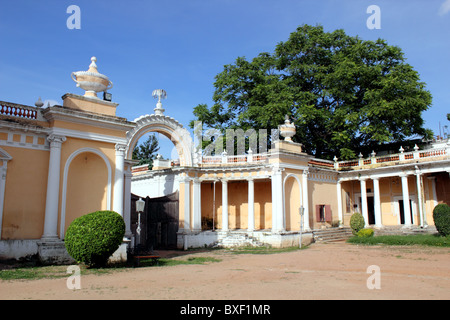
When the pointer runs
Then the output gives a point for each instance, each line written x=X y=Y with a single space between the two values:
x=159 y=94
x=39 y=103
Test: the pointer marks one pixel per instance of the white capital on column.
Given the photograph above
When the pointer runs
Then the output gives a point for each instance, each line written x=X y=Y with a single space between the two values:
x=52 y=197
x=406 y=206
x=377 y=201
x=224 y=205
x=251 y=205
x=119 y=179
x=305 y=202
x=365 y=212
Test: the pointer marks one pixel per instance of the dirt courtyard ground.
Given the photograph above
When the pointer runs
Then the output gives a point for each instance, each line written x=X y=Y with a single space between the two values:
x=322 y=271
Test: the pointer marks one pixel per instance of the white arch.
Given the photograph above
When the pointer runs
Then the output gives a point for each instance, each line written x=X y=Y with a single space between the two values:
x=168 y=126
x=284 y=193
x=64 y=188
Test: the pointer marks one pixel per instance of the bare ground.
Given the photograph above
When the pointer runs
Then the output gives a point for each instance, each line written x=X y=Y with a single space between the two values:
x=322 y=271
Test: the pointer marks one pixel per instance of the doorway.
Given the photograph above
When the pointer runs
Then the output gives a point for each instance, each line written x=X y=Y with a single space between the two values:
x=402 y=211
x=371 y=210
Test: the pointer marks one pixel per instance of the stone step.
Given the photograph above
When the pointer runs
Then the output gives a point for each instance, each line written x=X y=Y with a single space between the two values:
x=332 y=234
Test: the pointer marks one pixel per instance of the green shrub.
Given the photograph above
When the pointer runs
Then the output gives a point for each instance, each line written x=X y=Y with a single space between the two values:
x=357 y=223
x=365 y=233
x=91 y=239
x=441 y=217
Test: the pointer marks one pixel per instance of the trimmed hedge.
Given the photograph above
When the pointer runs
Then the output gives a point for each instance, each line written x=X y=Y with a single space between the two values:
x=441 y=217
x=91 y=239
x=365 y=233
x=356 y=223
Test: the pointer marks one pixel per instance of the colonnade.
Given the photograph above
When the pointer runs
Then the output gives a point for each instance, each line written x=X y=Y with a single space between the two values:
x=277 y=198
x=418 y=176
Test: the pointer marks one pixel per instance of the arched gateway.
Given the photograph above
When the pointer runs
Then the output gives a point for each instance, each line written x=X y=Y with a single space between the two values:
x=160 y=123
x=167 y=126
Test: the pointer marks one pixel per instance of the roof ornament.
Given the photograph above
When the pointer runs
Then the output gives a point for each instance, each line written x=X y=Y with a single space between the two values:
x=92 y=81
x=159 y=94
x=287 y=130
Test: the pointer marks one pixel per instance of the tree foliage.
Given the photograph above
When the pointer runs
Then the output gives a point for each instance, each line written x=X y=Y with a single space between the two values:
x=345 y=95
x=146 y=151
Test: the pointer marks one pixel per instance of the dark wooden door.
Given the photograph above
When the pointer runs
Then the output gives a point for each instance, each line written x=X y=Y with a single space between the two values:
x=162 y=222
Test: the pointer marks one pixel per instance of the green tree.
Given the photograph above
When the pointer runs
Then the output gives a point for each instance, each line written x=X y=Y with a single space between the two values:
x=146 y=151
x=345 y=95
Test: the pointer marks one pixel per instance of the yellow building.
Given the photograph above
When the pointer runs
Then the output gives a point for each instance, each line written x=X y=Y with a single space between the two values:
x=61 y=162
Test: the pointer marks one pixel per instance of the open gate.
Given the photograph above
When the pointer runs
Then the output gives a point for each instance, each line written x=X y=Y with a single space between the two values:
x=159 y=222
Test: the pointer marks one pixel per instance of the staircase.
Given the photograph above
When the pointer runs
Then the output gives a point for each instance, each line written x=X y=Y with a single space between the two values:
x=237 y=239
x=332 y=234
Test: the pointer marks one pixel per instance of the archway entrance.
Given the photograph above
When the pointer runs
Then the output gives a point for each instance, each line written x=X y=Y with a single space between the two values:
x=167 y=126
x=184 y=145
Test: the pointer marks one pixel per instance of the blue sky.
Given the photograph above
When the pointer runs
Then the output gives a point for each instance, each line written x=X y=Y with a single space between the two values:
x=180 y=45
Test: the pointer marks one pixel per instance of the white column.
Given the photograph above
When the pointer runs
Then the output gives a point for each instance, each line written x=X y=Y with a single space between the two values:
x=187 y=204
x=224 y=205
x=406 y=206
x=197 y=206
x=119 y=179
x=339 y=202
x=377 y=202
x=277 y=201
x=52 y=198
x=127 y=204
x=305 y=203
x=365 y=212
x=251 y=205
x=419 y=196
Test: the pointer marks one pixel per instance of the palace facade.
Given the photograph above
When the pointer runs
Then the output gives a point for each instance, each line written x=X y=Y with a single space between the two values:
x=60 y=162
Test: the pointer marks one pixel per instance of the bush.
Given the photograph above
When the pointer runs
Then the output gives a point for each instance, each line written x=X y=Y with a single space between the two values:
x=441 y=217
x=357 y=223
x=365 y=233
x=91 y=239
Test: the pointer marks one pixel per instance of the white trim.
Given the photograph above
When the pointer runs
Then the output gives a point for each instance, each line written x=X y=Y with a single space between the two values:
x=65 y=176
x=88 y=135
x=22 y=143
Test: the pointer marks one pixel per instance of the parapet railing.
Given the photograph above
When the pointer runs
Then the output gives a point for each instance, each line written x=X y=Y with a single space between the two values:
x=234 y=159
x=392 y=159
x=17 y=110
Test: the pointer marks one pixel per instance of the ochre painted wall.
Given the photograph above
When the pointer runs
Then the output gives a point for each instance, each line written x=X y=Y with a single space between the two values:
x=86 y=186
x=25 y=193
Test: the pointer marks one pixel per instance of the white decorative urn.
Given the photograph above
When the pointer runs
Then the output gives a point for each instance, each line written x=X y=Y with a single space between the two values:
x=92 y=81
x=287 y=130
